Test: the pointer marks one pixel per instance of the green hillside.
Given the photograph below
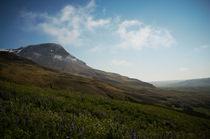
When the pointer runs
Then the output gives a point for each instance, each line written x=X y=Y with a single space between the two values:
x=32 y=112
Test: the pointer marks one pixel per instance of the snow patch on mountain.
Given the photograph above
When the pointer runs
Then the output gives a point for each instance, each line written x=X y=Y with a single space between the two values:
x=74 y=59
x=18 y=51
x=58 y=57
x=70 y=58
x=4 y=50
x=37 y=54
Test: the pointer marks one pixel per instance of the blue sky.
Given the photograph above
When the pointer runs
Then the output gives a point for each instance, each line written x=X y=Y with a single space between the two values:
x=146 y=39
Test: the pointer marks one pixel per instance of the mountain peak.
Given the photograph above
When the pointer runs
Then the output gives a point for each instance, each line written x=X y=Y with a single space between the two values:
x=47 y=48
x=54 y=56
x=50 y=55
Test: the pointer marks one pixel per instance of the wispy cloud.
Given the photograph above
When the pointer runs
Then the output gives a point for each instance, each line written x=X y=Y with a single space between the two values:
x=136 y=35
x=70 y=24
x=96 y=23
x=200 y=48
x=121 y=63
x=96 y=49
x=104 y=11
x=183 y=69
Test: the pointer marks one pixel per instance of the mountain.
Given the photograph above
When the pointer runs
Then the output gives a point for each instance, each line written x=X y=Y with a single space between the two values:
x=20 y=70
x=54 y=56
x=165 y=83
x=202 y=82
x=14 y=68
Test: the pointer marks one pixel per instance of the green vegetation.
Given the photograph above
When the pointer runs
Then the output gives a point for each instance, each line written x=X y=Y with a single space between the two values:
x=189 y=89
x=192 y=94
x=33 y=112
x=202 y=110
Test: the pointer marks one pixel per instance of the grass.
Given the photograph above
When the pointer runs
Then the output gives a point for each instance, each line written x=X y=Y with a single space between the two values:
x=204 y=89
x=37 y=102
x=33 y=112
x=196 y=98
x=202 y=110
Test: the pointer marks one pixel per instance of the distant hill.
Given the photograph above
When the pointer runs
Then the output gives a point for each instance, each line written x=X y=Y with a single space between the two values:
x=203 y=82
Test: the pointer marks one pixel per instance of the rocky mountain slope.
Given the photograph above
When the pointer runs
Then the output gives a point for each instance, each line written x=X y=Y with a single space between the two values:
x=54 y=56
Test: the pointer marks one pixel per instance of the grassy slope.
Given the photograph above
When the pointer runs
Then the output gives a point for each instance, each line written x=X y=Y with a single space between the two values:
x=202 y=93
x=23 y=71
x=189 y=89
x=47 y=113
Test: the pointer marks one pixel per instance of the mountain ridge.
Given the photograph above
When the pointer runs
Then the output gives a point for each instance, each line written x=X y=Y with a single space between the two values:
x=52 y=55
x=199 y=82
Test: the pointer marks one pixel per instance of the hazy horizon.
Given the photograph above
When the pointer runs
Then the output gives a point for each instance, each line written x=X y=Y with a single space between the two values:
x=147 y=40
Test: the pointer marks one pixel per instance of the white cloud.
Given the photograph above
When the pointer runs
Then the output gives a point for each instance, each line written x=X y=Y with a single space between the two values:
x=96 y=23
x=121 y=63
x=95 y=49
x=202 y=47
x=136 y=35
x=91 y=5
x=28 y=15
x=75 y=26
x=66 y=13
x=183 y=69
x=68 y=25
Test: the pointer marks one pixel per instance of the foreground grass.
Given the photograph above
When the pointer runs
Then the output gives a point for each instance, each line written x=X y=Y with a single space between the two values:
x=32 y=112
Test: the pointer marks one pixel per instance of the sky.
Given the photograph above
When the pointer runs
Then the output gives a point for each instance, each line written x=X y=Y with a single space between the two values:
x=151 y=40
